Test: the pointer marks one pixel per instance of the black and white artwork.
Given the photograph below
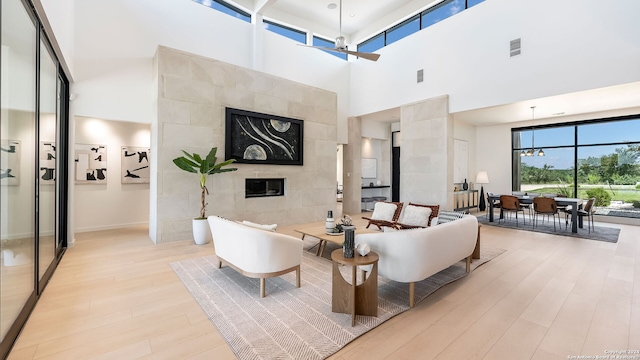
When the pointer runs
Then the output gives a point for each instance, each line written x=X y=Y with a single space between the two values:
x=47 y=162
x=255 y=138
x=10 y=162
x=91 y=164
x=135 y=165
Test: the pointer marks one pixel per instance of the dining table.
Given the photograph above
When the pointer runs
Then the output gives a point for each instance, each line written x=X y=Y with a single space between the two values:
x=561 y=201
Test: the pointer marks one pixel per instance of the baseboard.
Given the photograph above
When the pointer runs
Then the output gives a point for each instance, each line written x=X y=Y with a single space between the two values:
x=111 y=227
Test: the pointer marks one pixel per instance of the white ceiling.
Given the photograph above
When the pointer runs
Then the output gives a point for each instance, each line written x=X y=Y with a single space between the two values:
x=372 y=16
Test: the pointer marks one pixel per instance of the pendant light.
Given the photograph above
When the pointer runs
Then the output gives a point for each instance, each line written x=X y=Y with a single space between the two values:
x=532 y=151
x=533 y=146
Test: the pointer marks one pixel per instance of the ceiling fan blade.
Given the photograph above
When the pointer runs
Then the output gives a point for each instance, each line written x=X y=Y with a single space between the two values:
x=368 y=56
x=341 y=45
x=319 y=47
x=364 y=55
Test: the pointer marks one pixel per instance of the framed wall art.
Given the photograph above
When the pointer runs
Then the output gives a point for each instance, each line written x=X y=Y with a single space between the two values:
x=255 y=138
x=135 y=165
x=47 y=165
x=10 y=162
x=91 y=164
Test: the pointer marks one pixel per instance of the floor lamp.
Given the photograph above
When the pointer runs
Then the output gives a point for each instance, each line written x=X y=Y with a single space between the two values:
x=482 y=178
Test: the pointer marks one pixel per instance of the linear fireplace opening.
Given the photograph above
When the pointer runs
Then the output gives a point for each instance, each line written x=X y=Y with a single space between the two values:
x=263 y=187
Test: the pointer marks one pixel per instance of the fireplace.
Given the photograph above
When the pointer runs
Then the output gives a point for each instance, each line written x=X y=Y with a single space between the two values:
x=263 y=187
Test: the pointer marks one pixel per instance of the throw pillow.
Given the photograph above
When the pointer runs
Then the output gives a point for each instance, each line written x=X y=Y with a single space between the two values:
x=271 y=227
x=416 y=216
x=383 y=211
x=447 y=216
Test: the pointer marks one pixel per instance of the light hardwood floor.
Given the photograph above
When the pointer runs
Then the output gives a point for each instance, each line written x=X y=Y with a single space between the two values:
x=114 y=296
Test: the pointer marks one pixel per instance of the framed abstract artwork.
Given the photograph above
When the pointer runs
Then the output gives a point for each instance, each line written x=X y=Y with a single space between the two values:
x=10 y=162
x=91 y=164
x=135 y=165
x=47 y=165
x=255 y=138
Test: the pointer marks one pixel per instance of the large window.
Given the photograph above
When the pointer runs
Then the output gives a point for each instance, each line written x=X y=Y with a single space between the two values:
x=373 y=44
x=318 y=41
x=226 y=8
x=297 y=35
x=403 y=29
x=593 y=159
x=428 y=17
x=441 y=11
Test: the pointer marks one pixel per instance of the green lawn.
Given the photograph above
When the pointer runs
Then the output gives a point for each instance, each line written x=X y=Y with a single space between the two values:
x=626 y=195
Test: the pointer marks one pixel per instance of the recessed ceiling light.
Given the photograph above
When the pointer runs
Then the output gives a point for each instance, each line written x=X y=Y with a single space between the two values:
x=332 y=6
x=558 y=113
x=352 y=15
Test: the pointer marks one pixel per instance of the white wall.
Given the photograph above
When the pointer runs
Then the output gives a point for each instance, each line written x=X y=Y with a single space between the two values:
x=376 y=130
x=114 y=63
x=466 y=132
x=578 y=46
x=113 y=205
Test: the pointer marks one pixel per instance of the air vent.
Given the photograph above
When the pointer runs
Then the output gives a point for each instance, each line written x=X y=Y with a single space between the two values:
x=515 y=46
x=420 y=75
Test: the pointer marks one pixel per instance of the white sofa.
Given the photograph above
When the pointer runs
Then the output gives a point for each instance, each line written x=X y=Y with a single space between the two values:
x=412 y=255
x=255 y=252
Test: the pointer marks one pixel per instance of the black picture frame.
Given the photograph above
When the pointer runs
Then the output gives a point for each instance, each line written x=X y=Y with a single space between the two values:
x=255 y=138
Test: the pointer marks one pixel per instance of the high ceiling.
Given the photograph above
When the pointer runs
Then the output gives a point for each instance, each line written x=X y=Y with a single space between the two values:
x=360 y=18
x=364 y=18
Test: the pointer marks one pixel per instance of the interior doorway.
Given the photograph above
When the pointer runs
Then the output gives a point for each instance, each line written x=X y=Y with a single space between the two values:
x=395 y=166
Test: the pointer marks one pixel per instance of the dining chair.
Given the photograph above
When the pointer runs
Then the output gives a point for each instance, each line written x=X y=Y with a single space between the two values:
x=496 y=204
x=511 y=204
x=545 y=206
x=588 y=210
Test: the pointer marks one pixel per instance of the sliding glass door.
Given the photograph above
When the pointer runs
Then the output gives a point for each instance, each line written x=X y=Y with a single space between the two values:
x=47 y=155
x=33 y=103
x=17 y=164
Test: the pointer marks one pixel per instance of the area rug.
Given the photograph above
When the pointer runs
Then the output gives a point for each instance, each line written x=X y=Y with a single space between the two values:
x=599 y=233
x=290 y=322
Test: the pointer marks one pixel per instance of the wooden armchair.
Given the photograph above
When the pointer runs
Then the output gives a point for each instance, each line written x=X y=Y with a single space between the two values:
x=434 y=213
x=382 y=215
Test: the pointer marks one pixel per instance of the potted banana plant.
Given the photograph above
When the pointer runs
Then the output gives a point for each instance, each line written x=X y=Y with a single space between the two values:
x=204 y=167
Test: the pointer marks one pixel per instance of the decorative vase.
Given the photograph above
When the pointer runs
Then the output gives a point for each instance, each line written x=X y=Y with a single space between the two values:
x=201 y=231
x=465 y=185
x=349 y=243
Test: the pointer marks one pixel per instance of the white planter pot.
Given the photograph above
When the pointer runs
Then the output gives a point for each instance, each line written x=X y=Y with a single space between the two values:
x=201 y=231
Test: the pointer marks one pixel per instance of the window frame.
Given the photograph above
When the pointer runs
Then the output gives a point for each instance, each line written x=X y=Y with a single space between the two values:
x=515 y=150
x=239 y=13
x=286 y=28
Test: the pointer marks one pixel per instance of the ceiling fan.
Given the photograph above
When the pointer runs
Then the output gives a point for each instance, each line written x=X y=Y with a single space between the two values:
x=341 y=45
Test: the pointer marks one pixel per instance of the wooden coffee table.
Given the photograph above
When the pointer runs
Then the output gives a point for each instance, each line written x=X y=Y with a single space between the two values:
x=352 y=298
x=318 y=231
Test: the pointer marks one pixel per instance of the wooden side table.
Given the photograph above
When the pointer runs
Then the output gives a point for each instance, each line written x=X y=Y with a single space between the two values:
x=353 y=298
